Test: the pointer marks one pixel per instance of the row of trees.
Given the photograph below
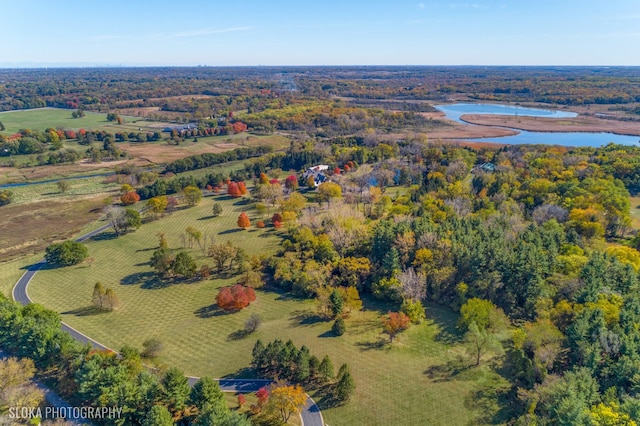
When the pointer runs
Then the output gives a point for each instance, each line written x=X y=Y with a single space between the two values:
x=284 y=361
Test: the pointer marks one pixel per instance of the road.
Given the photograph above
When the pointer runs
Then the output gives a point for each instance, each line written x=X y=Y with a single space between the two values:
x=311 y=414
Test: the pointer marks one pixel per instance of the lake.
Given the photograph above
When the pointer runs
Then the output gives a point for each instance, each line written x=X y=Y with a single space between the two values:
x=454 y=111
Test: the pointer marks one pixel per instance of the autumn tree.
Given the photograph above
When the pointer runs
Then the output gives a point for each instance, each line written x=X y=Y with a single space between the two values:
x=291 y=183
x=286 y=400
x=243 y=221
x=242 y=188
x=235 y=298
x=16 y=387
x=233 y=190
x=129 y=198
x=329 y=191
x=393 y=323
x=192 y=195
x=157 y=205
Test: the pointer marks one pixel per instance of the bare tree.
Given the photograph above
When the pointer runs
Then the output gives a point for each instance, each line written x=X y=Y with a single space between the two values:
x=413 y=284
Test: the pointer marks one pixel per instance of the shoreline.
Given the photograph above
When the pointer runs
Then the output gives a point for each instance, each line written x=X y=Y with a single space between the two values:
x=580 y=123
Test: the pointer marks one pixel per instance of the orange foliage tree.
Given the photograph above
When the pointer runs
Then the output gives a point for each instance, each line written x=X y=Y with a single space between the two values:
x=243 y=221
x=233 y=189
x=242 y=188
x=395 y=322
x=129 y=198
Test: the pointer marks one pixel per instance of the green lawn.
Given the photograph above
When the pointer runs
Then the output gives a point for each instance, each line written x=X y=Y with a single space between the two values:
x=406 y=383
x=41 y=119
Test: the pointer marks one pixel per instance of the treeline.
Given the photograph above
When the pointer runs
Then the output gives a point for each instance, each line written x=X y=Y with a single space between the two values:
x=201 y=161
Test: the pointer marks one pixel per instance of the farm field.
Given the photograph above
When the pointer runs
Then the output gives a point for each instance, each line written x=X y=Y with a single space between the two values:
x=203 y=342
x=43 y=118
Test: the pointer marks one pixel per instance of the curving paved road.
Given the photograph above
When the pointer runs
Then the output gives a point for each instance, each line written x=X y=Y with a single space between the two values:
x=311 y=414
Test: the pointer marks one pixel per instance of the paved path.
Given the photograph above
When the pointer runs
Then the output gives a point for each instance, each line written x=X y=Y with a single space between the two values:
x=311 y=414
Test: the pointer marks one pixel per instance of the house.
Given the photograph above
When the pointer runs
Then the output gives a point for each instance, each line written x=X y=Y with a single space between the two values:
x=485 y=167
x=318 y=172
x=181 y=128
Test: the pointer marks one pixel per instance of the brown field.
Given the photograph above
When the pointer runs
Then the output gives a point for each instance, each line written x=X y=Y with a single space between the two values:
x=463 y=131
x=84 y=167
x=28 y=229
x=543 y=124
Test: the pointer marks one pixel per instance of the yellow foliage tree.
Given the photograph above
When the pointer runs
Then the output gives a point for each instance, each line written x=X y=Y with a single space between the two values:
x=286 y=400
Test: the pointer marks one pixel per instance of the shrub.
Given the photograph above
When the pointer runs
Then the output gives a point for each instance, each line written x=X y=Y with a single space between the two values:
x=130 y=198
x=260 y=224
x=252 y=323
x=152 y=347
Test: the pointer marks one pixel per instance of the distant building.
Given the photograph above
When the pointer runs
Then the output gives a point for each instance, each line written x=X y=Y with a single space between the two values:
x=181 y=127
x=318 y=173
x=485 y=167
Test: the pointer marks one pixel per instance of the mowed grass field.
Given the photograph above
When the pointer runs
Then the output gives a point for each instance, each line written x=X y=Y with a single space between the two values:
x=43 y=118
x=406 y=383
x=635 y=211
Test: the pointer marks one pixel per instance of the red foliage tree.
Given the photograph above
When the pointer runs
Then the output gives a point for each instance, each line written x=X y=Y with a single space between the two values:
x=239 y=127
x=336 y=171
x=291 y=182
x=241 y=400
x=209 y=187
x=233 y=190
x=274 y=181
x=263 y=396
x=260 y=224
x=82 y=132
x=129 y=198
x=242 y=188
x=277 y=217
x=243 y=221
x=347 y=168
x=235 y=298
x=70 y=134
x=224 y=299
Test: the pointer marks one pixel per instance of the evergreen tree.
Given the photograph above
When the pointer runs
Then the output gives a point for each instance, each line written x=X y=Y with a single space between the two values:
x=325 y=370
x=176 y=389
x=158 y=416
x=346 y=385
x=206 y=391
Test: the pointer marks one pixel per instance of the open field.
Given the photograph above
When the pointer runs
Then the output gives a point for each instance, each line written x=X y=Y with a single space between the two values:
x=43 y=118
x=26 y=229
x=544 y=124
x=10 y=272
x=202 y=341
x=161 y=152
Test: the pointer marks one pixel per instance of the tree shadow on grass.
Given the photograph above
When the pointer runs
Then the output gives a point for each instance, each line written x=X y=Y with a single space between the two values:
x=326 y=334
x=210 y=311
x=147 y=280
x=325 y=397
x=305 y=318
x=238 y=335
x=85 y=312
x=207 y=217
x=231 y=231
x=448 y=371
x=104 y=236
x=445 y=319
x=380 y=344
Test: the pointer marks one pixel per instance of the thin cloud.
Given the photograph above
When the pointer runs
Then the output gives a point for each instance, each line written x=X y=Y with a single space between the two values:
x=207 y=31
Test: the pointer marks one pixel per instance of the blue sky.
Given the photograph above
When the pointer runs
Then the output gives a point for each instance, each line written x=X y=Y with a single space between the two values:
x=436 y=32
